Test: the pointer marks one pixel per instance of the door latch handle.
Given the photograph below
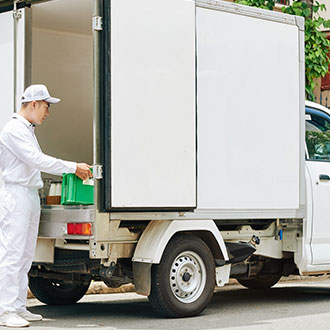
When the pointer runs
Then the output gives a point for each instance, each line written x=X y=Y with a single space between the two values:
x=324 y=177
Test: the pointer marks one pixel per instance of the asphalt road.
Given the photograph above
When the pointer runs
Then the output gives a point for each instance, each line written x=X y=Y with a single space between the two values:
x=299 y=305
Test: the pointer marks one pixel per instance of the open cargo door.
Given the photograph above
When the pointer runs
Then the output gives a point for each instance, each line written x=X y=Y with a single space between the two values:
x=14 y=27
x=149 y=160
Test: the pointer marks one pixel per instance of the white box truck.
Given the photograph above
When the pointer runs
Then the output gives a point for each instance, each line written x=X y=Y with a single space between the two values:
x=193 y=115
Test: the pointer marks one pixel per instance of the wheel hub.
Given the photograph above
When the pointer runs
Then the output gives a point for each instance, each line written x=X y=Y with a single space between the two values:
x=187 y=276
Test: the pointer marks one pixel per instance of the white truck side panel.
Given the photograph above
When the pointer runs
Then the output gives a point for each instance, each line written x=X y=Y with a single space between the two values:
x=248 y=112
x=153 y=148
x=7 y=64
x=22 y=59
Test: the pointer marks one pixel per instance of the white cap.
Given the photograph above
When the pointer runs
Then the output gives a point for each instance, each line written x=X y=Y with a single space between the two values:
x=38 y=93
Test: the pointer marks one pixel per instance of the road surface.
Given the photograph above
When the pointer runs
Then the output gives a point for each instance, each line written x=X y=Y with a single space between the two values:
x=298 y=305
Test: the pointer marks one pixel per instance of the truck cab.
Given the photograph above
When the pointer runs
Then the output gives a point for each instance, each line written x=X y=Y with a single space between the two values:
x=318 y=181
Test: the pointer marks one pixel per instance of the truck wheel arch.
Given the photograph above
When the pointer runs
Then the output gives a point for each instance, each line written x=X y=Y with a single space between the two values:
x=155 y=238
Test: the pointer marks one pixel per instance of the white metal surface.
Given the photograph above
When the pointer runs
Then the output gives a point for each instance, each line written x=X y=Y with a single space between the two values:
x=155 y=237
x=6 y=68
x=222 y=275
x=320 y=242
x=312 y=254
x=7 y=64
x=225 y=214
x=44 y=250
x=251 y=11
x=303 y=256
x=153 y=103
x=248 y=110
x=21 y=60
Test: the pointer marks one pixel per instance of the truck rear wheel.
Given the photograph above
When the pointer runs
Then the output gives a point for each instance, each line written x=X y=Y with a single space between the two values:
x=262 y=281
x=182 y=284
x=52 y=292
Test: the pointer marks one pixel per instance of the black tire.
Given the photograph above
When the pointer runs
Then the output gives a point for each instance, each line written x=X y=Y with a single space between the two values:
x=261 y=282
x=52 y=292
x=185 y=294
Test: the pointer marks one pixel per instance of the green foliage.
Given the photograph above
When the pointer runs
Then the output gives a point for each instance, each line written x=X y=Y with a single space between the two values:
x=317 y=46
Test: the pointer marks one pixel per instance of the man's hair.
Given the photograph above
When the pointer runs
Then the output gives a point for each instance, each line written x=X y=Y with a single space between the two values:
x=24 y=105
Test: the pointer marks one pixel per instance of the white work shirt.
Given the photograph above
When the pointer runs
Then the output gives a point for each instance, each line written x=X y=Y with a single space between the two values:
x=21 y=158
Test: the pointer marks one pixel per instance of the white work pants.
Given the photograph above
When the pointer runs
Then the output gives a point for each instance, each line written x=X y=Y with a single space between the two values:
x=19 y=222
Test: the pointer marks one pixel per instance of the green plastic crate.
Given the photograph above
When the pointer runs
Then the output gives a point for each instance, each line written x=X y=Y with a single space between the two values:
x=76 y=191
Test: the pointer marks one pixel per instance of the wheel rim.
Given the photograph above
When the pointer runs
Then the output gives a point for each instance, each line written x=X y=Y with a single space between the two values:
x=188 y=277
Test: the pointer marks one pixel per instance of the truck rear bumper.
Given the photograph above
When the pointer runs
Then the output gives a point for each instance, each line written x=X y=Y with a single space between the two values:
x=54 y=220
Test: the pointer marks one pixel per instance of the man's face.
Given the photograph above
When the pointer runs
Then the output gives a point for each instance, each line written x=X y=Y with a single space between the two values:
x=40 y=111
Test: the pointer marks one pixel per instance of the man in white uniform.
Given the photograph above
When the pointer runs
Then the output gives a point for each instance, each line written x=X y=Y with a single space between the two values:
x=21 y=161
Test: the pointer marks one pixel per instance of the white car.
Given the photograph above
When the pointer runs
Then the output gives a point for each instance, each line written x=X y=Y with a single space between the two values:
x=318 y=179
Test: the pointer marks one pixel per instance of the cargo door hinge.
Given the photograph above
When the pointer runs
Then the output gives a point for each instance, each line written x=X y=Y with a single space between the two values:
x=97 y=172
x=97 y=23
x=17 y=13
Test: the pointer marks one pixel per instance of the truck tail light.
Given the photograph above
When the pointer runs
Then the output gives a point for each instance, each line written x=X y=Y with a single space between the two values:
x=80 y=229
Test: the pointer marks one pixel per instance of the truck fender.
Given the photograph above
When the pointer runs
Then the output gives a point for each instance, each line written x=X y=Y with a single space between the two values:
x=155 y=238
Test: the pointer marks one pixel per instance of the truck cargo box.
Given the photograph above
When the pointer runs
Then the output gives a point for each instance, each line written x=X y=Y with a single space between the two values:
x=198 y=108
x=207 y=113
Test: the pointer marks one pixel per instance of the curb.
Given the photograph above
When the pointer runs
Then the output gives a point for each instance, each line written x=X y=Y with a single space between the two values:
x=100 y=288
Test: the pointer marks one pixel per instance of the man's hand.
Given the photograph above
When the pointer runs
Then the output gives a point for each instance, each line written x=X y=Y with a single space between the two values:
x=83 y=171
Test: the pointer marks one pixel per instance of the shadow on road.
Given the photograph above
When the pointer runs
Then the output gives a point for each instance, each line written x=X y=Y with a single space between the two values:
x=233 y=307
